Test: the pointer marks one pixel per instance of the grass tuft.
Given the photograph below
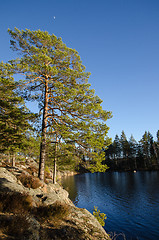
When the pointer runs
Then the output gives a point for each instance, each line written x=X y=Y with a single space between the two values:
x=56 y=211
x=15 y=202
x=15 y=227
x=29 y=181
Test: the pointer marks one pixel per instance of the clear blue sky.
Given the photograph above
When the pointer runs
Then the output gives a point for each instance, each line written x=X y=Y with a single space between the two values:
x=118 y=41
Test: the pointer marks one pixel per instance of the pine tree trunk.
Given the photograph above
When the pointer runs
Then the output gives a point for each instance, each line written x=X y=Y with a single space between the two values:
x=13 y=160
x=9 y=158
x=43 y=137
x=55 y=159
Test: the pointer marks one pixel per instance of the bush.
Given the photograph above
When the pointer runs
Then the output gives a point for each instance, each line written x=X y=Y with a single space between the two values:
x=32 y=170
x=99 y=216
x=29 y=181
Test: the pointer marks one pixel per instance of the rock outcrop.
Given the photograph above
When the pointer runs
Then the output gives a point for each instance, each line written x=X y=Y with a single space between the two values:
x=43 y=213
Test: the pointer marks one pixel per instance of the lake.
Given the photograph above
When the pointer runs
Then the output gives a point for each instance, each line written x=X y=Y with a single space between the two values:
x=130 y=200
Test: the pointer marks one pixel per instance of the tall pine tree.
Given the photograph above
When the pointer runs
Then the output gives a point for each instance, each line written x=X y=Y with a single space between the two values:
x=124 y=145
x=56 y=78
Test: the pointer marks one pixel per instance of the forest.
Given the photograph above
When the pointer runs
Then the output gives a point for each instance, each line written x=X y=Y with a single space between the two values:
x=128 y=155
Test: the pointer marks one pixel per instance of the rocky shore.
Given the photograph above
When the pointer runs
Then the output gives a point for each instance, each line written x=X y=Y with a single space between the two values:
x=32 y=210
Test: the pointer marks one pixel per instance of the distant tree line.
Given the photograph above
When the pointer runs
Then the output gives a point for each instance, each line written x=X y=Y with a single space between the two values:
x=127 y=155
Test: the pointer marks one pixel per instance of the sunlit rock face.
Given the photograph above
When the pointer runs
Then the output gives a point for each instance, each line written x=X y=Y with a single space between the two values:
x=43 y=213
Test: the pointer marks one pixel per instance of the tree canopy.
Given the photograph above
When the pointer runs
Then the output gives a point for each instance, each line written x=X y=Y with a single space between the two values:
x=14 y=116
x=55 y=77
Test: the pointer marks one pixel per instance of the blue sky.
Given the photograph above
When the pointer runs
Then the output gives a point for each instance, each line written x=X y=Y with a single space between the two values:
x=118 y=42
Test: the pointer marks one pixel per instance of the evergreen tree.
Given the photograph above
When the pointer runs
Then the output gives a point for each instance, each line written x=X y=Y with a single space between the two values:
x=14 y=117
x=133 y=155
x=117 y=147
x=157 y=136
x=124 y=145
x=132 y=147
x=133 y=150
x=66 y=153
x=56 y=78
x=151 y=148
x=156 y=148
x=139 y=156
x=32 y=143
x=147 y=148
x=109 y=152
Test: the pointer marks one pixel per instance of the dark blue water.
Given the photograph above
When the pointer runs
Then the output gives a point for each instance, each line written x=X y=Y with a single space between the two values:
x=130 y=201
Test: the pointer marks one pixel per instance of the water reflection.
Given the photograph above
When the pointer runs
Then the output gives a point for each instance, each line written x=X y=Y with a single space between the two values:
x=130 y=200
x=70 y=185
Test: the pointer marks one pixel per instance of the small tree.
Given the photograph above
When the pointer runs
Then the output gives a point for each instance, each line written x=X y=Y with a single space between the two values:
x=99 y=216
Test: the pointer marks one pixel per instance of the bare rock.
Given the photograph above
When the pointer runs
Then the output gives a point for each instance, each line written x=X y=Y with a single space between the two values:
x=61 y=220
x=9 y=182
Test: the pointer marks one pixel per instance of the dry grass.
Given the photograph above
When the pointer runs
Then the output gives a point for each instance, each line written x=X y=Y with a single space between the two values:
x=16 y=212
x=32 y=170
x=55 y=212
x=14 y=227
x=29 y=181
x=47 y=175
x=15 y=202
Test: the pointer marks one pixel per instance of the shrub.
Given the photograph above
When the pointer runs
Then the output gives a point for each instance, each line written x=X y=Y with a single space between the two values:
x=99 y=216
x=29 y=181
x=32 y=170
